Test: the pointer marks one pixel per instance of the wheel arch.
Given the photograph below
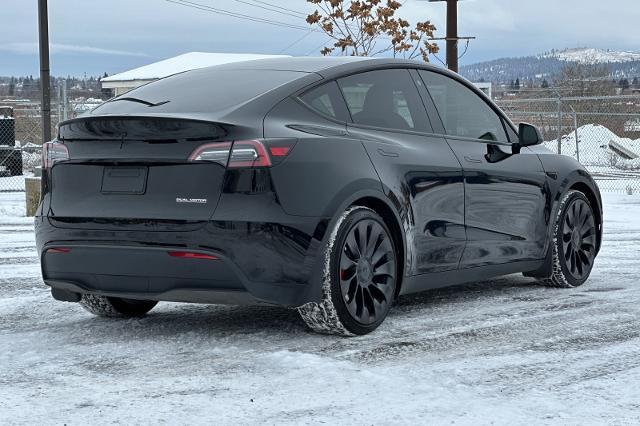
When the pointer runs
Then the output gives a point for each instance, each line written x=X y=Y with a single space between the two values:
x=375 y=199
x=391 y=219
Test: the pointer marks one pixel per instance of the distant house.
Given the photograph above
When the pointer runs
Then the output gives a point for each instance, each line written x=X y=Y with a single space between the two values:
x=486 y=87
x=125 y=81
x=632 y=125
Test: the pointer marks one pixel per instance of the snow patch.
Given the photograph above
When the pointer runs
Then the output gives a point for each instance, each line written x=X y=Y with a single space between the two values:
x=596 y=147
x=12 y=204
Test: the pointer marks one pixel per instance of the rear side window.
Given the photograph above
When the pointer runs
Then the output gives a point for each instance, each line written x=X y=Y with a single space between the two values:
x=385 y=98
x=463 y=112
x=327 y=100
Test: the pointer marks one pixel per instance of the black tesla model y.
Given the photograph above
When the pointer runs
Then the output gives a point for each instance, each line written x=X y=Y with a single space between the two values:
x=330 y=185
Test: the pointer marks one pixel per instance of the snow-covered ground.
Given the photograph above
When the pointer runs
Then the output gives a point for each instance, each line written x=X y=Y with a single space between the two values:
x=596 y=151
x=595 y=143
x=504 y=351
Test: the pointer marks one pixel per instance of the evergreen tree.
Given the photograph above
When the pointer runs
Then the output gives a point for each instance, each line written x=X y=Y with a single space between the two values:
x=12 y=87
x=635 y=83
x=545 y=84
x=624 y=84
x=517 y=84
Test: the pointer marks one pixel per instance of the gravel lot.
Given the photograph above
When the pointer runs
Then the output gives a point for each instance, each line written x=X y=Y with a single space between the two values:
x=499 y=351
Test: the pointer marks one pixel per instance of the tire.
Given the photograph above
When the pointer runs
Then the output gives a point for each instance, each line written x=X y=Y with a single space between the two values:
x=574 y=242
x=115 y=307
x=359 y=277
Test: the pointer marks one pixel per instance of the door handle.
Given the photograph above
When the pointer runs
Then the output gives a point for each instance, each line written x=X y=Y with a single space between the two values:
x=472 y=159
x=387 y=153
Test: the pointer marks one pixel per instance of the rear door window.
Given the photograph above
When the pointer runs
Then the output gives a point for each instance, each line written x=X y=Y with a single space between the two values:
x=385 y=98
x=327 y=100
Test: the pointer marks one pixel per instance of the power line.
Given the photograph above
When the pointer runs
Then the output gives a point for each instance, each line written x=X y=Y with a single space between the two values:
x=304 y=15
x=276 y=9
x=224 y=12
x=296 y=42
x=317 y=48
x=211 y=9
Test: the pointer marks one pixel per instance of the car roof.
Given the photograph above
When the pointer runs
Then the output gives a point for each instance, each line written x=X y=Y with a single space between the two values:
x=310 y=70
x=321 y=65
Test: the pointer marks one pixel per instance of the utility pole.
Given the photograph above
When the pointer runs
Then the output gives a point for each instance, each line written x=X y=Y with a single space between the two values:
x=452 y=37
x=45 y=94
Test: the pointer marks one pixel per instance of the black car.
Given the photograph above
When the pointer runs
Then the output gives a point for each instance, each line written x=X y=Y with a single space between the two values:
x=330 y=185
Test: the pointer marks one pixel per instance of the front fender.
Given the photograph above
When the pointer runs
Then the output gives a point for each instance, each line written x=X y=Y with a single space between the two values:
x=563 y=174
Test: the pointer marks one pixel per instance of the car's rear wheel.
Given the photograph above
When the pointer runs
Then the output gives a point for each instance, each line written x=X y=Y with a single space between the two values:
x=115 y=307
x=360 y=276
x=574 y=242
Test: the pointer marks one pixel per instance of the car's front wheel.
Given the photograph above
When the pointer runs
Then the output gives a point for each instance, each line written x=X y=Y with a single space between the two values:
x=574 y=242
x=360 y=276
x=115 y=307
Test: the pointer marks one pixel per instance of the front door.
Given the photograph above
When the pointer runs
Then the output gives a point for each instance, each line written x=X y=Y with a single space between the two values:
x=504 y=192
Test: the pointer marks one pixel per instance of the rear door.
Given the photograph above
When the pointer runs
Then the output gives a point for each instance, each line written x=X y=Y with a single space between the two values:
x=418 y=169
x=504 y=193
x=136 y=170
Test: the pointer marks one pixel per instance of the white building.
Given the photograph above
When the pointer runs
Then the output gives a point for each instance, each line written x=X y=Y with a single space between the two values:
x=486 y=87
x=131 y=79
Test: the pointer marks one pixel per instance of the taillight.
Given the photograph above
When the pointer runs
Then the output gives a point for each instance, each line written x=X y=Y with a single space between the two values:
x=248 y=154
x=59 y=250
x=53 y=152
x=244 y=154
x=191 y=255
x=216 y=152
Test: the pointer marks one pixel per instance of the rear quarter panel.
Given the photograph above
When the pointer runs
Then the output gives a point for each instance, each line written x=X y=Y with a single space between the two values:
x=324 y=168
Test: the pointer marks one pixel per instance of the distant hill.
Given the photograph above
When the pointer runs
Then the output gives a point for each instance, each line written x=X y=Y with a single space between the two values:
x=549 y=64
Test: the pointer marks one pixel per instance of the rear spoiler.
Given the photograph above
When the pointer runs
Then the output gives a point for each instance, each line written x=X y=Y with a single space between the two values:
x=140 y=127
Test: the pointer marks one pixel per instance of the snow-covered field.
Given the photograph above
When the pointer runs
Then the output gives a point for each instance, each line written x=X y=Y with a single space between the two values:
x=504 y=351
x=587 y=55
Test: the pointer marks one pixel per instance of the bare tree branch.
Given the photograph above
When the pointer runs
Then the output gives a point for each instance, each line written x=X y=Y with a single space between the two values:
x=358 y=26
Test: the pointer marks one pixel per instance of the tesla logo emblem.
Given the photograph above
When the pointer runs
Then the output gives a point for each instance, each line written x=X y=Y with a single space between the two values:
x=191 y=200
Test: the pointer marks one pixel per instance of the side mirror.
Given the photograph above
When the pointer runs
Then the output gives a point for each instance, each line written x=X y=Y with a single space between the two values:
x=529 y=135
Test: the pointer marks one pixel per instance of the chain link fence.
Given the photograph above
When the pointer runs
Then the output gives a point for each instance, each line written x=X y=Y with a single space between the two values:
x=20 y=144
x=21 y=135
x=602 y=133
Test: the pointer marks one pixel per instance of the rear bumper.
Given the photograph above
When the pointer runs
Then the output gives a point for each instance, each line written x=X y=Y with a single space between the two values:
x=253 y=263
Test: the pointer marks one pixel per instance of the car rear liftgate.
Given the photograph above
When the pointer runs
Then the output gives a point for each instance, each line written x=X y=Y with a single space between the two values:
x=136 y=168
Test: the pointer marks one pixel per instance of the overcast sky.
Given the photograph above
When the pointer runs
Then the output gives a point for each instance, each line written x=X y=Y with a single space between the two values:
x=94 y=37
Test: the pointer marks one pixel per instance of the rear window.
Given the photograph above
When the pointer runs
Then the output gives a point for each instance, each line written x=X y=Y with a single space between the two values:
x=199 y=91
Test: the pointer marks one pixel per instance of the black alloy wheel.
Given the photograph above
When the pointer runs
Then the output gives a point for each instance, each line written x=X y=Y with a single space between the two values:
x=578 y=239
x=367 y=271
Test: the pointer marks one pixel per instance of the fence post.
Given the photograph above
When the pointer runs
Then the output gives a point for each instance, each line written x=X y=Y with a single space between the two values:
x=559 y=125
x=59 y=106
x=575 y=126
x=65 y=103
